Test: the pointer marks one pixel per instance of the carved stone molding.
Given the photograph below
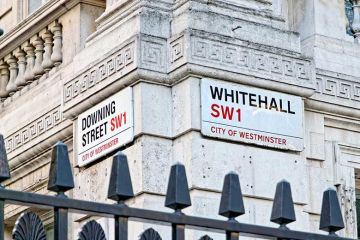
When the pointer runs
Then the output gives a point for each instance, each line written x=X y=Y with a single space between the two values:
x=250 y=61
x=34 y=129
x=154 y=54
x=168 y=60
x=338 y=88
x=347 y=159
x=118 y=63
x=336 y=94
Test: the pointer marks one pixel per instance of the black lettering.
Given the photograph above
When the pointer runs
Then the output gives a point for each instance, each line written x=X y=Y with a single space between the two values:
x=281 y=109
x=229 y=95
x=243 y=96
x=84 y=140
x=273 y=104
x=216 y=93
x=289 y=108
x=113 y=107
x=252 y=100
x=83 y=124
x=263 y=101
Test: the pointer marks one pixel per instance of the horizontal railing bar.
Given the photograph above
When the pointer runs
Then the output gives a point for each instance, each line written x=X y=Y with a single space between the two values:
x=103 y=209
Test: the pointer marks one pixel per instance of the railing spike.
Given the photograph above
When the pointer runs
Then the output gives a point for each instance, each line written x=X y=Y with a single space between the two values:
x=231 y=204
x=4 y=165
x=331 y=219
x=60 y=176
x=120 y=185
x=178 y=196
x=283 y=207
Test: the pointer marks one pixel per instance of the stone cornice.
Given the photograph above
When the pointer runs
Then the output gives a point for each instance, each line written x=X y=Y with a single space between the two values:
x=39 y=20
x=37 y=136
x=167 y=61
x=338 y=89
x=335 y=94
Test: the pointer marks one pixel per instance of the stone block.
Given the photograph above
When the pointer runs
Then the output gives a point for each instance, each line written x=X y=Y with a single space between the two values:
x=210 y=160
x=314 y=140
x=152 y=110
x=186 y=106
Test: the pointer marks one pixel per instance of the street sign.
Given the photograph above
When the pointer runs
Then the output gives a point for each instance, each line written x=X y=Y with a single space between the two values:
x=246 y=114
x=105 y=127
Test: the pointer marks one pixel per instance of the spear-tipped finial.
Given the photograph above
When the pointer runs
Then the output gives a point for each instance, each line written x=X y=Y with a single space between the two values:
x=4 y=165
x=283 y=207
x=177 y=196
x=331 y=219
x=60 y=176
x=120 y=186
x=231 y=204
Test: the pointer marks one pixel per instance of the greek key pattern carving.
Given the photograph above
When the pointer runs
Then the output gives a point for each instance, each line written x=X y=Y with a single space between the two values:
x=153 y=55
x=34 y=129
x=177 y=50
x=340 y=88
x=239 y=58
x=118 y=62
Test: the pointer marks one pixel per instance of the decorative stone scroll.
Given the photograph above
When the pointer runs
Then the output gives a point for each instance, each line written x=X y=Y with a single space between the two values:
x=34 y=129
x=29 y=227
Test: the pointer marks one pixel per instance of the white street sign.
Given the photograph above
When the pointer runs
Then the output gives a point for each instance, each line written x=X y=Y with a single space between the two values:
x=105 y=127
x=252 y=115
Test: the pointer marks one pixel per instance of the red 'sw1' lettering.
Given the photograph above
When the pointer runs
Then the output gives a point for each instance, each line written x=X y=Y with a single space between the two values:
x=225 y=112
x=118 y=121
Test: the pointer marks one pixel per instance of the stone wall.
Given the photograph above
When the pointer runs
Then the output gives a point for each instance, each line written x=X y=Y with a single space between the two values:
x=162 y=49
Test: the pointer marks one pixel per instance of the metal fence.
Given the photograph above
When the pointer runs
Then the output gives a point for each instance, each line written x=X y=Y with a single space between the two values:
x=30 y=227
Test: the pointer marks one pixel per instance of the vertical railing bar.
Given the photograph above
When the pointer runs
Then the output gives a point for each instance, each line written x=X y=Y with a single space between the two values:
x=178 y=232
x=121 y=228
x=232 y=236
x=60 y=224
x=120 y=190
x=60 y=181
x=2 y=221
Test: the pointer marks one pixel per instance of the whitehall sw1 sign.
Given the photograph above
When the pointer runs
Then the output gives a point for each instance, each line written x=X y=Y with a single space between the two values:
x=246 y=114
x=105 y=127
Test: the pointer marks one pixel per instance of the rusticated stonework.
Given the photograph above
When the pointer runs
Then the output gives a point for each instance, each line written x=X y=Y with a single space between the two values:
x=34 y=129
x=117 y=62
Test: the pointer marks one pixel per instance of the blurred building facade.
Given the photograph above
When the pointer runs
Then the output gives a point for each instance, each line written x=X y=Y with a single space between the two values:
x=60 y=58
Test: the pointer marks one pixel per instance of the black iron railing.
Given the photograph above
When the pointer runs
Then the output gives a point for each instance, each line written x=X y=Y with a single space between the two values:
x=29 y=226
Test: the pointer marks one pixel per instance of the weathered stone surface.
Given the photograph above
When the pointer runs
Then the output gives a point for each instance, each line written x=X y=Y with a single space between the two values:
x=163 y=49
